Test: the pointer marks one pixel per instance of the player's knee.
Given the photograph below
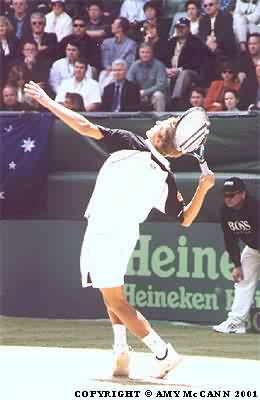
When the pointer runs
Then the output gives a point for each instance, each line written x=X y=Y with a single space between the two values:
x=115 y=302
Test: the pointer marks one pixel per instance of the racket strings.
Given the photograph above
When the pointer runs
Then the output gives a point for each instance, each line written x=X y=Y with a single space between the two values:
x=195 y=140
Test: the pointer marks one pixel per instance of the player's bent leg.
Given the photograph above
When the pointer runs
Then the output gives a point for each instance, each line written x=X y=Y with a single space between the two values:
x=117 y=302
x=166 y=356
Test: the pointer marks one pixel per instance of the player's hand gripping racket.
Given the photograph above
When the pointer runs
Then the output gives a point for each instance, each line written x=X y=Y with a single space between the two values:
x=192 y=131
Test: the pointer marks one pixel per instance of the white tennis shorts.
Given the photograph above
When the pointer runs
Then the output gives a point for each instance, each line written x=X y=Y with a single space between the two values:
x=105 y=255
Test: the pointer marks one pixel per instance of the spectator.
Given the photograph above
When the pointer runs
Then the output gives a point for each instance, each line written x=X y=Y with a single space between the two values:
x=133 y=10
x=189 y=61
x=36 y=69
x=8 y=43
x=87 y=46
x=240 y=223
x=231 y=100
x=197 y=97
x=17 y=77
x=121 y=95
x=58 y=21
x=192 y=13
x=46 y=42
x=246 y=20
x=250 y=58
x=98 y=25
x=20 y=18
x=215 y=95
x=86 y=87
x=10 y=101
x=64 y=68
x=250 y=90
x=160 y=45
x=152 y=17
x=74 y=101
x=120 y=46
x=150 y=74
x=218 y=24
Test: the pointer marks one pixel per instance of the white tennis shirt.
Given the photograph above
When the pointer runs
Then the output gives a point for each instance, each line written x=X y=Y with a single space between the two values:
x=135 y=179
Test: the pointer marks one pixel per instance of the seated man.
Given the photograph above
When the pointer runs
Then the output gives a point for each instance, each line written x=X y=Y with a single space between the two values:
x=98 y=26
x=10 y=100
x=150 y=74
x=87 y=45
x=152 y=35
x=119 y=46
x=46 y=42
x=133 y=10
x=188 y=64
x=250 y=90
x=58 y=21
x=64 y=68
x=218 y=24
x=35 y=68
x=246 y=20
x=121 y=95
x=20 y=18
x=88 y=88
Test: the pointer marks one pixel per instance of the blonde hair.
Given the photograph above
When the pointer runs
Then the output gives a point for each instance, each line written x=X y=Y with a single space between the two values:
x=168 y=143
x=5 y=21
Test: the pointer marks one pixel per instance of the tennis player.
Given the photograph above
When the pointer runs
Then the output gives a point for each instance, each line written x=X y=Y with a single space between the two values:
x=132 y=181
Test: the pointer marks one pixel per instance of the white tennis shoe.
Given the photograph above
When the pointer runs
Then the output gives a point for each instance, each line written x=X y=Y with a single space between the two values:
x=121 y=361
x=168 y=364
x=229 y=326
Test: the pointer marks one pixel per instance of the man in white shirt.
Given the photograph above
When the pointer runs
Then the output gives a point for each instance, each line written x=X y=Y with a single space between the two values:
x=133 y=10
x=88 y=88
x=246 y=20
x=64 y=68
x=133 y=180
x=58 y=21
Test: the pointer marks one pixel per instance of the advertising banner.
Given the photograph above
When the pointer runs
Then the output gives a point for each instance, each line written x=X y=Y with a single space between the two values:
x=177 y=274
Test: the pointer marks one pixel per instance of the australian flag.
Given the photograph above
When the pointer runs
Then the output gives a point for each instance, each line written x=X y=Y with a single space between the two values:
x=24 y=139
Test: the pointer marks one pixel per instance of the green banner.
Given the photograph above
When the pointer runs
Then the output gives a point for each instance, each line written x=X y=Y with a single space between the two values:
x=181 y=274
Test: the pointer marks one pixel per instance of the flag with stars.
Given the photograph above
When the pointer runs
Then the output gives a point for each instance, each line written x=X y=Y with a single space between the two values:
x=24 y=139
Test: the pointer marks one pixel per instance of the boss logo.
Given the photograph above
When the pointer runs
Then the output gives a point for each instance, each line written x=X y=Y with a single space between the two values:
x=239 y=226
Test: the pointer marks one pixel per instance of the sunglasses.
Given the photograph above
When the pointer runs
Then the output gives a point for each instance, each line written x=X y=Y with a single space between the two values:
x=79 y=25
x=230 y=195
x=227 y=72
x=208 y=5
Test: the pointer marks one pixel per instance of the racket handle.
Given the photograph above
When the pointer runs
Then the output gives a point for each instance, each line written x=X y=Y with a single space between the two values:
x=204 y=168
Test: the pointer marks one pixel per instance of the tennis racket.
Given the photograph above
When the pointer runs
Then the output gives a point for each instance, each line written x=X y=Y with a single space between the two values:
x=192 y=130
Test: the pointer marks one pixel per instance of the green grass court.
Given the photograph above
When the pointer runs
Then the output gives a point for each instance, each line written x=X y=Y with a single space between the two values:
x=191 y=340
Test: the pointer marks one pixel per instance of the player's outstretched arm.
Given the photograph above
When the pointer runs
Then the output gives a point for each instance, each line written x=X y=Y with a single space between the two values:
x=192 y=209
x=75 y=120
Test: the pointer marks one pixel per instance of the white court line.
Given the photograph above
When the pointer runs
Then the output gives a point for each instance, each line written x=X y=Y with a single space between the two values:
x=44 y=373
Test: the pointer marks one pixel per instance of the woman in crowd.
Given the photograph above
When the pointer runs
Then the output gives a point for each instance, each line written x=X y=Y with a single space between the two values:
x=231 y=100
x=215 y=95
x=8 y=42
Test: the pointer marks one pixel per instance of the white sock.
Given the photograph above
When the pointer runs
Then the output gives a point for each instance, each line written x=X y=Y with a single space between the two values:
x=155 y=344
x=120 y=339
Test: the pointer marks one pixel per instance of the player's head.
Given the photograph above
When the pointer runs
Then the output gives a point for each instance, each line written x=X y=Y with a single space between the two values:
x=234 y=191
x=162 y=135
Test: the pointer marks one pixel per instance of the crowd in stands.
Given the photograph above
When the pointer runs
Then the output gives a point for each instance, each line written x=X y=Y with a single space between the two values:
x=129 y=55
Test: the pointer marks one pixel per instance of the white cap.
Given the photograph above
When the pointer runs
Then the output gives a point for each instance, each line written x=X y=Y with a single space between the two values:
x=58 y=1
